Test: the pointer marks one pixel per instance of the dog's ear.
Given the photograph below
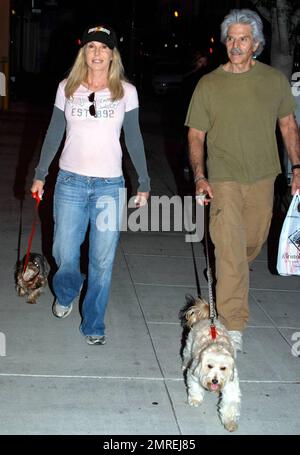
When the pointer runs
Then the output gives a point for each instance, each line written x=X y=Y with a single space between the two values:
x=197 y=312
x=190 y=300
x=233 y=374
x=191 y=316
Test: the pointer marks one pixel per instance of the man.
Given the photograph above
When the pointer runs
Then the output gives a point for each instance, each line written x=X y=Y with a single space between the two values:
x=237 y=106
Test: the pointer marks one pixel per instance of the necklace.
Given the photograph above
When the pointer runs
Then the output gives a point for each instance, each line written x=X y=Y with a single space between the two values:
x=96 y=87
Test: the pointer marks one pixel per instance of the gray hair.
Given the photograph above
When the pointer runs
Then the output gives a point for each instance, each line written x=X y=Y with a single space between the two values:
x=245 y=16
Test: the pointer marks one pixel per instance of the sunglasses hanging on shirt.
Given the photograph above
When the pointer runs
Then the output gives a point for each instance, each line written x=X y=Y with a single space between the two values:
x=92 y=108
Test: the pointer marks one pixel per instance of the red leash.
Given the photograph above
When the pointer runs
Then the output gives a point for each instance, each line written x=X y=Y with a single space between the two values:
x=38 y=200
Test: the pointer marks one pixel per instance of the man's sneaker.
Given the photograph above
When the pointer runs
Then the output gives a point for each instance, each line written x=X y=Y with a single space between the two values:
x=237 y=339
x=61 y=311
x=95 y=339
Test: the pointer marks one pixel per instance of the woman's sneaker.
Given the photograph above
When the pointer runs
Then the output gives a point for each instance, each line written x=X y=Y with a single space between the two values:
x=61 y=311
x=95 y=339
x=237 y=339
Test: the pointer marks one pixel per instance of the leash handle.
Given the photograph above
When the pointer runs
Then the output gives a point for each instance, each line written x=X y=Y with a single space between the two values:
x=36 y=197
x=38 y=200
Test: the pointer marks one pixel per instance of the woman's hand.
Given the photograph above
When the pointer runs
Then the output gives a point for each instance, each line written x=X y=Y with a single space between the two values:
x=38 y=187
x=141 y=198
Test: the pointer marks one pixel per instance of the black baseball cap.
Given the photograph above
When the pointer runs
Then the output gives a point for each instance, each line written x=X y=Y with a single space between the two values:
x=102 y=33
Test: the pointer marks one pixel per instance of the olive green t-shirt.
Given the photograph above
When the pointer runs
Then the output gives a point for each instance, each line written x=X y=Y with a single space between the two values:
x=239 y=111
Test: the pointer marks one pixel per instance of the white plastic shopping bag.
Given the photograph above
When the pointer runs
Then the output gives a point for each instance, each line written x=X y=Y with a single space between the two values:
x=288 y=259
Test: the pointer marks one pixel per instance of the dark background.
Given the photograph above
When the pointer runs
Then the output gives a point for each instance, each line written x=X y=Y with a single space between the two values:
x=45 y=34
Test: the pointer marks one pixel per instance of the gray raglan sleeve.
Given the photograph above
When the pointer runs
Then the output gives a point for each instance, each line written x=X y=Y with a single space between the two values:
x=135 y=146
x=51 y=143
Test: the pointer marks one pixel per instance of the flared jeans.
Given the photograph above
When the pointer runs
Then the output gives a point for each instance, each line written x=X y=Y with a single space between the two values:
x=82 y=202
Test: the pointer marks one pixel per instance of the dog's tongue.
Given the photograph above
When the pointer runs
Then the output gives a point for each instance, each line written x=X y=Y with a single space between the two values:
x=214 y=387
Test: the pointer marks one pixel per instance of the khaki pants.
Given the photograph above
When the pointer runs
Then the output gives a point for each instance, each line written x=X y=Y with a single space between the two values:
x=240 y=218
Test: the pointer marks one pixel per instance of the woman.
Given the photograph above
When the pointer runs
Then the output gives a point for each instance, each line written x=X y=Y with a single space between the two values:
x=92 y=105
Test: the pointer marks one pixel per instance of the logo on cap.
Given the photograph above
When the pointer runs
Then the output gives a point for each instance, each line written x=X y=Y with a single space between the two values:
x=99 y=29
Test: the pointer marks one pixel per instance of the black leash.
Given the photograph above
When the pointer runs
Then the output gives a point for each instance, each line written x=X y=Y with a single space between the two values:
x=196 y=272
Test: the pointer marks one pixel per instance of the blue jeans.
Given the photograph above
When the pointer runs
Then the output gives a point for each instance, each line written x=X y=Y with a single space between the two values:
x=80 y=202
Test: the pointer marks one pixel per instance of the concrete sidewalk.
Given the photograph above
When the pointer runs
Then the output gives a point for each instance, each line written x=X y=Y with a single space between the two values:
x=53 y=383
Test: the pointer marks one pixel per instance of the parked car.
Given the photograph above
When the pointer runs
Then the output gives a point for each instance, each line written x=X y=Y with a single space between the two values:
x=166 y=77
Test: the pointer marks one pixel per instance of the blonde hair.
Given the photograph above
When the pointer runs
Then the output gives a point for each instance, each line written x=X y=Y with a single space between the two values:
x=79 y=71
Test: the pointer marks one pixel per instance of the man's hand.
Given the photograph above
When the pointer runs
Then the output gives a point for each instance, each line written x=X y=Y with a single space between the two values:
x=295 y=181
x=204 y=192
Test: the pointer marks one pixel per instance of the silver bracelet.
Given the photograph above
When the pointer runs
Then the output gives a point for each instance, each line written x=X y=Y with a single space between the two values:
x=199 y=178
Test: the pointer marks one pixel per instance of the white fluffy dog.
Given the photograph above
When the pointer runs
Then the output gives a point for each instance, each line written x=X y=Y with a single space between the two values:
x=210 y=364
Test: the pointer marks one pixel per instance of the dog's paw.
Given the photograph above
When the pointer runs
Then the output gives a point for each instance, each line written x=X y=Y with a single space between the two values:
x=195 y=402
x=20 y=291
x=231 y=425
